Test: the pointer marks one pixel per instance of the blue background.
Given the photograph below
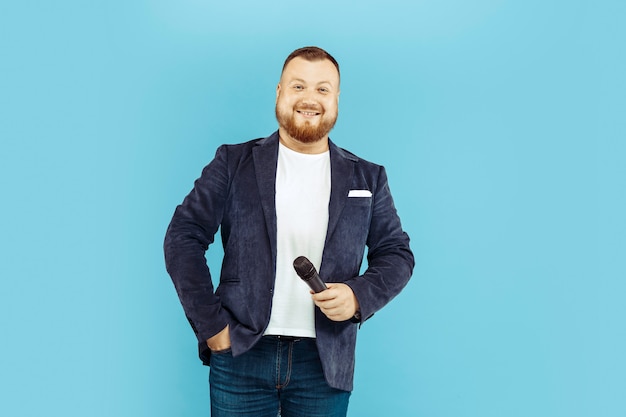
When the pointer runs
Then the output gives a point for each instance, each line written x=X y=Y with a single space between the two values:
x=501 y=124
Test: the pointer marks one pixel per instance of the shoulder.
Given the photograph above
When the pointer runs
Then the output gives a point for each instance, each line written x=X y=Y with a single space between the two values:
x=360 y=162
x=241 y=151
x=249 y=145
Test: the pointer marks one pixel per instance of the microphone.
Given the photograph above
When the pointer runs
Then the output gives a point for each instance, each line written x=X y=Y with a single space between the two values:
x=305 y=270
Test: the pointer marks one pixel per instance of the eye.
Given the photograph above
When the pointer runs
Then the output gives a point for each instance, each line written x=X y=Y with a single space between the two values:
x=323 y=90
x=298 y=87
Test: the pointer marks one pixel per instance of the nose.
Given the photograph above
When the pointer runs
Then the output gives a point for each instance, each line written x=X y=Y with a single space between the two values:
x=309 y=96
x=309 y=102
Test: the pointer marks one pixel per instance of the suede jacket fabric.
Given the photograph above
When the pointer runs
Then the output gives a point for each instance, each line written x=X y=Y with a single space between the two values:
x=236 y=192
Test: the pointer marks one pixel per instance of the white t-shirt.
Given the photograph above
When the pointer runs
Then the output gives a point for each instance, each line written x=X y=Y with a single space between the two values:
x=302 y=196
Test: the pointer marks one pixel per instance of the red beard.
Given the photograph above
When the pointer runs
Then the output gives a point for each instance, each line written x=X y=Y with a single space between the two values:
x=306 y=133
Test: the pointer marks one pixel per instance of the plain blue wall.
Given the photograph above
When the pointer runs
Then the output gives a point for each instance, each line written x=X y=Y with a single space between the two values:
x=501 y=124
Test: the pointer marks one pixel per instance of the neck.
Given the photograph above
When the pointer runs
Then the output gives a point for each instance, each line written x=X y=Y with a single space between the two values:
x=319 y=146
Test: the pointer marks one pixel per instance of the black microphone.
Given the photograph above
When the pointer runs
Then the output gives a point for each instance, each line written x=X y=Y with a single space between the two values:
x=305 y=270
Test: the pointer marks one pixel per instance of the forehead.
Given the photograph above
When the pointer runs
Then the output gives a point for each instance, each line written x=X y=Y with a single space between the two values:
x=311 y=71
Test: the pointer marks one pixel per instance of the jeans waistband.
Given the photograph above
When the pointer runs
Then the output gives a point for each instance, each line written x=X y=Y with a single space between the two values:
x=284 y=338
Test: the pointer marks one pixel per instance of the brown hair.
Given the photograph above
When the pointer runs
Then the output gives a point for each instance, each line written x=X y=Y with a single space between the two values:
x=311 y=53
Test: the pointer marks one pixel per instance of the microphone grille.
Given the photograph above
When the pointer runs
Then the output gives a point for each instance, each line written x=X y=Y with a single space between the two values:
x=303 y=266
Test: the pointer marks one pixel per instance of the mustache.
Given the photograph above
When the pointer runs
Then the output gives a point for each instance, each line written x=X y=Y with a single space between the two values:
x=309 y=106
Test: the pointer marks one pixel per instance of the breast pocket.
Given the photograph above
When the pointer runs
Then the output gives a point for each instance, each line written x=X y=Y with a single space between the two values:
x=356 y=217
x=359 y=201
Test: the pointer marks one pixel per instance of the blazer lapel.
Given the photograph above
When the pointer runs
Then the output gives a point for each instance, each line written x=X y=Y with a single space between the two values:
x=265 y=156
x=341 y=172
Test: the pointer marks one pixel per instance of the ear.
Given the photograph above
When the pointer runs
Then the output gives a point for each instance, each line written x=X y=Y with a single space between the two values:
x=277 y=91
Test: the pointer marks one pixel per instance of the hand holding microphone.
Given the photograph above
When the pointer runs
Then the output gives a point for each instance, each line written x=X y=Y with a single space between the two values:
x=339 y=303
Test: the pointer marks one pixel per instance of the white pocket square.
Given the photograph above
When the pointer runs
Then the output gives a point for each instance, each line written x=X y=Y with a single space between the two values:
x=359 y=193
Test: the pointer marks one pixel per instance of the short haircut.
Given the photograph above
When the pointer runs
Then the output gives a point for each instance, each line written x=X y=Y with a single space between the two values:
x=311 y=53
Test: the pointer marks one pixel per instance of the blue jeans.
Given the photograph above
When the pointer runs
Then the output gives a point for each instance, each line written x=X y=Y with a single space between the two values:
x=277 y=377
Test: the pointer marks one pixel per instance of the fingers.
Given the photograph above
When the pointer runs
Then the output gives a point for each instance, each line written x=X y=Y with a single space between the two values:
x=333 y=291
x=337 y=302
x=339 y=313
x=220 y=341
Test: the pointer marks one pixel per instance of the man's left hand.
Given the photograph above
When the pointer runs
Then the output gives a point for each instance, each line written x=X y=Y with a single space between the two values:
x=337 y=302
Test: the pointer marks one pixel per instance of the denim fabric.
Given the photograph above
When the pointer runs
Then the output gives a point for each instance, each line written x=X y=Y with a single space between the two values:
x=273 y=378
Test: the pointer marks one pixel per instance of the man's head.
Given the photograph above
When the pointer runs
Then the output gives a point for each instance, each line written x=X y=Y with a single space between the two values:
x=307 y=95
x=311 y=53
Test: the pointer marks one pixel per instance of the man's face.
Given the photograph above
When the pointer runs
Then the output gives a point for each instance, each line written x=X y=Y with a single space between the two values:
x=307 y=98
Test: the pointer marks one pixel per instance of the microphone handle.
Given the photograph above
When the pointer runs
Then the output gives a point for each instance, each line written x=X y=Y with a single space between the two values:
x=316 y=283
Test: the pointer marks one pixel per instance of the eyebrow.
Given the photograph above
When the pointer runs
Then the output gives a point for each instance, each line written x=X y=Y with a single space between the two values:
x=304 y=82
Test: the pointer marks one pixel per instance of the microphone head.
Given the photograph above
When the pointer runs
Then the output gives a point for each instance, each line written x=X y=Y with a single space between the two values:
x=304 y=268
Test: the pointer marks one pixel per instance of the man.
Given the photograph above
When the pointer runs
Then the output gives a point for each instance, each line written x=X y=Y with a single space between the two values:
x=272 y=345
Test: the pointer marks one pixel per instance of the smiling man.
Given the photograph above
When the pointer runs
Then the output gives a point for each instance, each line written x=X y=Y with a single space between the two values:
x=273 y=346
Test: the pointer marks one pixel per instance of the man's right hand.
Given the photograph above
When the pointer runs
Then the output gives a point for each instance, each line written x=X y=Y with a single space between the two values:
x=220 y=341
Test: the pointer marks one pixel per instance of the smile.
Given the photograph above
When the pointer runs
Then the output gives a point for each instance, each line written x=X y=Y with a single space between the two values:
x=307 y=113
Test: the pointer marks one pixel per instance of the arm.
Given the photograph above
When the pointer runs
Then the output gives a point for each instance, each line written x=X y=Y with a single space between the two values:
x=188 y=237
x=390 y=259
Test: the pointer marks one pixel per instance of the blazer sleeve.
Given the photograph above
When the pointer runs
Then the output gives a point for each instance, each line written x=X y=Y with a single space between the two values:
x=191 y=231
x=389 y=256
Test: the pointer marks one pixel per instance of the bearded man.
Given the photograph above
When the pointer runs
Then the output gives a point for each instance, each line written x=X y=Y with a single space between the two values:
x=273 y=346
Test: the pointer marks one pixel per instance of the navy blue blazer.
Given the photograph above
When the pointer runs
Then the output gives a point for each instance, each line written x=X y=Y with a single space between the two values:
x=236 y=192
